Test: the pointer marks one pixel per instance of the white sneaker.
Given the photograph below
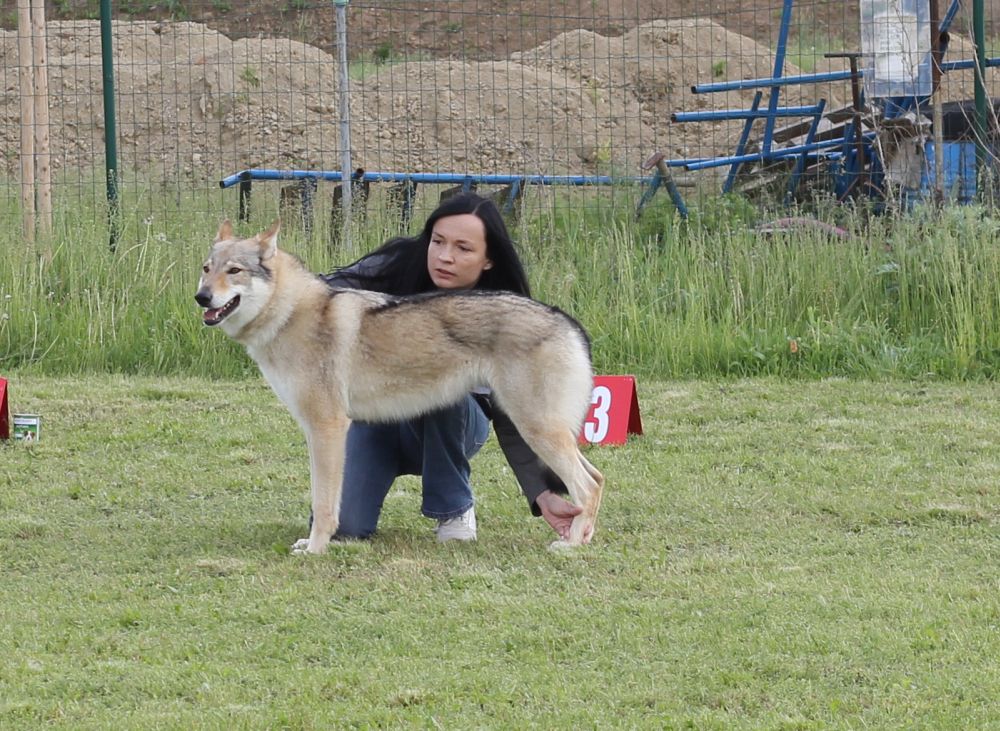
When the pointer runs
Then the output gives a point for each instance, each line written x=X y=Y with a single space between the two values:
x=459 y=528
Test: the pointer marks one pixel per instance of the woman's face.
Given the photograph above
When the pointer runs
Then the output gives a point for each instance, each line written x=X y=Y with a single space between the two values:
x=456 y=255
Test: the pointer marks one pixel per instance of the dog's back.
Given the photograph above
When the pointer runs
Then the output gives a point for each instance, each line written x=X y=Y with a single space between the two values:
x=429 y=350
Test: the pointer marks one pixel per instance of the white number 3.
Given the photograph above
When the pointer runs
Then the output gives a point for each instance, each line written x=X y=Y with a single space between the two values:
x=595 y=431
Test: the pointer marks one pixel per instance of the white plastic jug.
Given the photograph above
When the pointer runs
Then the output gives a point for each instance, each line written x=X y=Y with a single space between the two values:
x=896 y=43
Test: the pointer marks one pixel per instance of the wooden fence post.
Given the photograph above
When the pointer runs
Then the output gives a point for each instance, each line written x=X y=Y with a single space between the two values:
x=36 y=156
x=25 y=74
x=43 y=158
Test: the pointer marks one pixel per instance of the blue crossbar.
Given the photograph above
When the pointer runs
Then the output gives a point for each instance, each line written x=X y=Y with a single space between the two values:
x=439 y=178
x=244 y=179
x=775 y=154
x=820 y=78
x=724 y=114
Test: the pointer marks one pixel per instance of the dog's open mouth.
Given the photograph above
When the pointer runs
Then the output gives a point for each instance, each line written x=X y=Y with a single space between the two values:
x=216 y=315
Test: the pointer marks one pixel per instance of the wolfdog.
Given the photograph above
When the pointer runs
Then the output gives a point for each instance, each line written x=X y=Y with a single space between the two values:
x=332 y=355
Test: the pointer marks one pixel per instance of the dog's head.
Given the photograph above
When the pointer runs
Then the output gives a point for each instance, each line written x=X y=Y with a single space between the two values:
x=237 y=278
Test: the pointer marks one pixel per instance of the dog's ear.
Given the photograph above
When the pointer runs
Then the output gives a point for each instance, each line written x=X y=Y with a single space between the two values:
x=268 y=241
x=225 y=231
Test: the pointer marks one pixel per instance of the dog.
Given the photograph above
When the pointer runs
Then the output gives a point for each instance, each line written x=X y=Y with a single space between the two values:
x=332 y=355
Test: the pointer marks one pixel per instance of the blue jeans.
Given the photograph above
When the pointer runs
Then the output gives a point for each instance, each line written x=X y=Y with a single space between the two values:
x=436 y=446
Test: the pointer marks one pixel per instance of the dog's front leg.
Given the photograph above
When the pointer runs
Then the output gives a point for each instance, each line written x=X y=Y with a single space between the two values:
x=326 y=443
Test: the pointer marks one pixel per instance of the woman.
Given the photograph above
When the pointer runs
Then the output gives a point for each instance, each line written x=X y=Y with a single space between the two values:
x=463 y=245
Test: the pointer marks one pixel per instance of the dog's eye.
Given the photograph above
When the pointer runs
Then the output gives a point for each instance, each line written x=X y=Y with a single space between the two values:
x=205 y=269
x=234 y=270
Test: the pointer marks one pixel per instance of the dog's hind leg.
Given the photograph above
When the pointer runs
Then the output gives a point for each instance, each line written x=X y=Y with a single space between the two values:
x=326 y=441
x=596 y=494
x=558 y=449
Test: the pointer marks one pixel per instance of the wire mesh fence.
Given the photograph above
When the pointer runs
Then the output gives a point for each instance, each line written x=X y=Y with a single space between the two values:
x=585 y=91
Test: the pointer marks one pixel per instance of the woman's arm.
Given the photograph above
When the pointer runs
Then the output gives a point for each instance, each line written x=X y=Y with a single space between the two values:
x=356 y=275
x=532 y=474
x=538 y=483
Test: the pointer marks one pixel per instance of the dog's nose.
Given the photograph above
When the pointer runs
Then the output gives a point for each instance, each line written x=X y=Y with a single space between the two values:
x=203 y=298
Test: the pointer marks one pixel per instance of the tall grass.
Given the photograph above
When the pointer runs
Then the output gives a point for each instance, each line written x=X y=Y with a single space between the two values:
x=912 y=296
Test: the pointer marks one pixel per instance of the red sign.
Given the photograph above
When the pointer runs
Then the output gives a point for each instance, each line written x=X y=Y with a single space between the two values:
x=614 y=411
x=4 y=411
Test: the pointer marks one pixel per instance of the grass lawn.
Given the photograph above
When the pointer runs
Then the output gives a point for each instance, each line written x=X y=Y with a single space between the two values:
x=771 y=554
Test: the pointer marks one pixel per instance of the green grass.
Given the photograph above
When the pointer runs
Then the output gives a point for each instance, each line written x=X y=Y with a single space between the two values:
x=383 y=56
x=911 y=296
x=771 y=554
x=781 y=549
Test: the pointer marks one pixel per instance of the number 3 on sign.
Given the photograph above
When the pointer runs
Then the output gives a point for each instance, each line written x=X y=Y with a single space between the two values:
x=595 y=431
x=614 y=411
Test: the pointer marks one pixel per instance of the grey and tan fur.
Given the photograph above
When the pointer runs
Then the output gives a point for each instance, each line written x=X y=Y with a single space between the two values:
x=336 y=354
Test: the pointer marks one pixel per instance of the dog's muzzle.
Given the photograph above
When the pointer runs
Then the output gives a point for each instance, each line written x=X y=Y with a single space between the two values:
x=215 y=315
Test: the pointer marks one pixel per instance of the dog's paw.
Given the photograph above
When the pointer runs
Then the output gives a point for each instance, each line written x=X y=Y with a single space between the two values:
x=581 y=532
x=562 y=545
x=309 y=547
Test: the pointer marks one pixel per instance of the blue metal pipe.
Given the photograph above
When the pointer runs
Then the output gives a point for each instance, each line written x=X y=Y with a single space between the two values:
x=656 y=182
x=779 y=67
x=741 y=146
x=449 y=178
x=779 y=51
x=722 y=114
x=685 y=161
x=800 y=164
x=967 y=64
x=949 y=17
x=820 y=78
x=764 y=156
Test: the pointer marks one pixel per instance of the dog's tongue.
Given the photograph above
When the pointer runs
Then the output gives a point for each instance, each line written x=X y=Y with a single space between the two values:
x=215 y=315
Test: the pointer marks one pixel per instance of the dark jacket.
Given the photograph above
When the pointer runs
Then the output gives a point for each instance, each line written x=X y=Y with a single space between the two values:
x=532 y=474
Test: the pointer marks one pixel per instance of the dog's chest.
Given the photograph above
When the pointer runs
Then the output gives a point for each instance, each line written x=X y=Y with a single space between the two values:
x=285 y=385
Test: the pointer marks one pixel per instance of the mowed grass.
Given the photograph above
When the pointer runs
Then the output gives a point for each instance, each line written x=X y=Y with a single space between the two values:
x=771 y=554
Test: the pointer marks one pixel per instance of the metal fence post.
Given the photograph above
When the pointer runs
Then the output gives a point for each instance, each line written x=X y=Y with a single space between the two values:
x=110 y=131
x=982 y=120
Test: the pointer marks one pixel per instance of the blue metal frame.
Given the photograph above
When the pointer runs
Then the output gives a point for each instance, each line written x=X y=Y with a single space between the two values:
x=409 y=181
x=741 y=146
x=464 y=179
x=779 y=67
x=817 y=78
x=827 y=148
x=800 y=164
x=779 y=154
x=659 y=180
x=749 y=114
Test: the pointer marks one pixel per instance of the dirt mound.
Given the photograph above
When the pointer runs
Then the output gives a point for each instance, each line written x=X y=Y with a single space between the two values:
x=189 y=100
x=493 y=117
x=656 y=64
x=192 y=102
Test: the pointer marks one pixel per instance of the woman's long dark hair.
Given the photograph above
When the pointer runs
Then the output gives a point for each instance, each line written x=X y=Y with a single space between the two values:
x=399 y=266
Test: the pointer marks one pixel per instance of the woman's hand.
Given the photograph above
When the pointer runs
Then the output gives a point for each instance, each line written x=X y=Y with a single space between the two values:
x=558 y=512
